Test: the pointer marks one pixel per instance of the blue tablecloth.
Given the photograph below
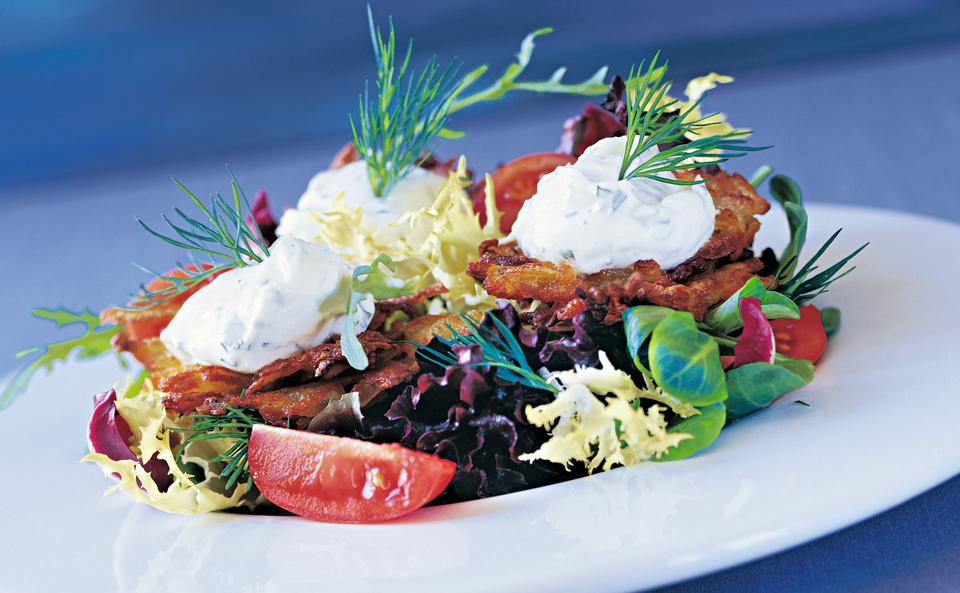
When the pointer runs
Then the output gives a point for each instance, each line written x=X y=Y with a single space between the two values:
x=873 y=127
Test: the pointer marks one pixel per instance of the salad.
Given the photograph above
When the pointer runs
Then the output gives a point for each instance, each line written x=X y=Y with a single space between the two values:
x=415 y=333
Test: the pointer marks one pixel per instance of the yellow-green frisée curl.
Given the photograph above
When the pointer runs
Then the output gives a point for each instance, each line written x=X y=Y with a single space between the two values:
x=94 y=342
x=602 y=433
x=200 y=490
x=437 y=242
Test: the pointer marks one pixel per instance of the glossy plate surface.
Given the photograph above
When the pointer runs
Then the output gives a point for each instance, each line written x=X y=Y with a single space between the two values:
x=780 y=478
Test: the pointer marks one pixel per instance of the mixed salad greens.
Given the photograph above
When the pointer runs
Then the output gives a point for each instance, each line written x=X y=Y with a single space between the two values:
x=442 y=381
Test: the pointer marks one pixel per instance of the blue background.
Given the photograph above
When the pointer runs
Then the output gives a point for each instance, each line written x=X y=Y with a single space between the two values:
x=102 y=101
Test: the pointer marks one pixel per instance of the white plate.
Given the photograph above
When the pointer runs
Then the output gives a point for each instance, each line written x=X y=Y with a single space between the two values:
x=880 y=428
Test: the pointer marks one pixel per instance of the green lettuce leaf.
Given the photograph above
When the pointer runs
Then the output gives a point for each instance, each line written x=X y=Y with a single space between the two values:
x=704 y=428
x=787 y=192
x=726 y=318
x=685 y=362
x=94 y=342
x=755 y=386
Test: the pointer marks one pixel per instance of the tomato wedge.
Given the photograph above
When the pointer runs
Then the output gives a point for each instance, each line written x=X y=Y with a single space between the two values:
x=802 y=338
x=515 y=182
x=341 y=480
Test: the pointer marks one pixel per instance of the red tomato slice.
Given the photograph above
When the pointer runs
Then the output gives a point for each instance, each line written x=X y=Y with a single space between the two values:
x=341 y=480
x=802 y=338
x=516 y=182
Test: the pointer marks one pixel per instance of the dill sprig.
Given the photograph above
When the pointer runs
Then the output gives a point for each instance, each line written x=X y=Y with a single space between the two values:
x=800 y=286
x=408 y=111
x=395 y=129
x=95 y=341
x=499 y=348
x=235 y=424
x=221 y=235
x=654 y=121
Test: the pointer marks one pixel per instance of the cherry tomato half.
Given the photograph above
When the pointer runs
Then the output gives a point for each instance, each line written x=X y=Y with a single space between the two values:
x=516 y=182
x=341 y=480
x=802 y=338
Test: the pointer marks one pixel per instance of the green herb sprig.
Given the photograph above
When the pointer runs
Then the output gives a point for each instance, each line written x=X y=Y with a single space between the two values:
x=368 y=281
x=235 y=424
x=653 y=121
x=801 y=287
x=499 y=347
x=220 y=235
x=94 y=342
x=798 y=284
x=593 y=86
x=396 y=125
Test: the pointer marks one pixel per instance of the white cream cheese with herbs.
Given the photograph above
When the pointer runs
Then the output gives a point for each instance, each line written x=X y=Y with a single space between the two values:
x=585 y=215
x=418 y=189
x=249 y=317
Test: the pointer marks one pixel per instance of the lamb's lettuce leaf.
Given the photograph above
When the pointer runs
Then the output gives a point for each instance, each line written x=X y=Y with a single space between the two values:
x=755 y=386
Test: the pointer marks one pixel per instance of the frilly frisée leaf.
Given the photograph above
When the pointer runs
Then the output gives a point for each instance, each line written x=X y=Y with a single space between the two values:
x=598 y=432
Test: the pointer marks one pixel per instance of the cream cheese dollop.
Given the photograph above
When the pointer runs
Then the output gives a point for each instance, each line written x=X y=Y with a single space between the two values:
x=248 y=317
x=417 y=190
x=584 y=215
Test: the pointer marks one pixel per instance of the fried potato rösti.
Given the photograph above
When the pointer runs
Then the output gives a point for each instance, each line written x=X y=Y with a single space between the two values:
x=716 y=271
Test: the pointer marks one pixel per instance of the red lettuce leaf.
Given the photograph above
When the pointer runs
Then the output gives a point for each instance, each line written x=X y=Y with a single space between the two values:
x=477 y=419
x=756 y=343
x=596 y=122
x=584 y=130
x=262 y=217
x=472 y=417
